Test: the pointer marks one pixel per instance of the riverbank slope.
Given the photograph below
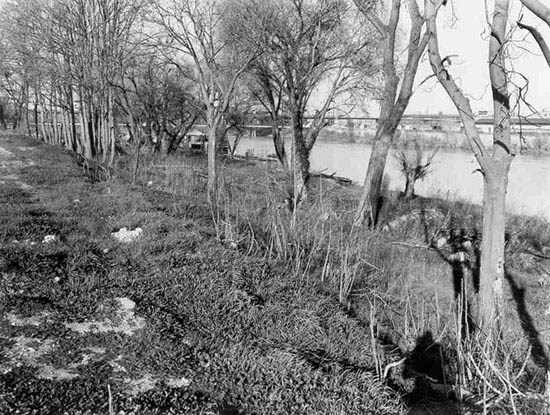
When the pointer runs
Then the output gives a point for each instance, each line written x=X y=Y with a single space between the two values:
x=254 y=310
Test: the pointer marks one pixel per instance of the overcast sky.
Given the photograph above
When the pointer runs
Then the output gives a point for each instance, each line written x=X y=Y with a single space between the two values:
x=463 y=31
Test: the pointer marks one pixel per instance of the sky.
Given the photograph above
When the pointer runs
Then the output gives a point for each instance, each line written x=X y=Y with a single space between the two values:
x=463 y=31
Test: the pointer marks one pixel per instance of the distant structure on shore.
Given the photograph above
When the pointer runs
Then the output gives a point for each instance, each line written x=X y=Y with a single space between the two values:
x=528 y=132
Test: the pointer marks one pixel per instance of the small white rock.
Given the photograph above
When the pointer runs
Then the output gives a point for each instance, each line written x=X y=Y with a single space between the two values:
x=126 y=236
x=441 y=242
x=178 y=383
x=48 y=239
x=76 y=201
x=57 y=279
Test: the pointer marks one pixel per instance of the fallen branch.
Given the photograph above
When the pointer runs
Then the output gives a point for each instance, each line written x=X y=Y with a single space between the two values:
x=338 y=179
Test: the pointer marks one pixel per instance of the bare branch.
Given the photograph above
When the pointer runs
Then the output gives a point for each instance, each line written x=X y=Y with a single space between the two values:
x=539 y=9
x=365 y=7
x=457 y=96
x=539 y=39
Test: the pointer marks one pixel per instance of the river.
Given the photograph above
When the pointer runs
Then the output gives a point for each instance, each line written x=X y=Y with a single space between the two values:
x=453 y=174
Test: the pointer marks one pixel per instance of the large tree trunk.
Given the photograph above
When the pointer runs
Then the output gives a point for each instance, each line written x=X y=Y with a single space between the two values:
x=492 y=245
x=393 y=103
x=496 y=177
x=495 y=164
x=368 y=207
x=369 y=204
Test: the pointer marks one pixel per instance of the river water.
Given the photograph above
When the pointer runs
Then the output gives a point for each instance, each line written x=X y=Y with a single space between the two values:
x=452 y=175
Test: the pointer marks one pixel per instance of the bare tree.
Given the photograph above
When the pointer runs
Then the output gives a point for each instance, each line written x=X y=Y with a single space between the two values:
x=415 y=165
x=542 y=11
x=494 y=163
x=267 y=86
x=195 y=30
x=69 y=52
x=396 y=94
x=307 y=44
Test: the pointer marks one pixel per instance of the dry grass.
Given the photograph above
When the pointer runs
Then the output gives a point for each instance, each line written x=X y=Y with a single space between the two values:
x=395 y=281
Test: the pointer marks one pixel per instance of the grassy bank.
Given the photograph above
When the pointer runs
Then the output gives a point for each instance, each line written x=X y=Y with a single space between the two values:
x=398 y=282
x=253 y=309
x=223 y=332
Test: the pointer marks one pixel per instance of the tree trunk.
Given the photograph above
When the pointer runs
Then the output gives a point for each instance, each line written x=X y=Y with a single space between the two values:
x=300 y=161
x=222 y=144
x=212 y=184
x=494 y=164
x=85 y=137
x=43 y=117
x=65 y=128
x=72 y=113
x=369 y=204
x=111 y=127
x=3 y=117
x=25 y=109
x=492 y=245
x=279 y=144
x=495 y=176
x=409 y=184
x=35 y=114
x=54 y=119
x=137 y=155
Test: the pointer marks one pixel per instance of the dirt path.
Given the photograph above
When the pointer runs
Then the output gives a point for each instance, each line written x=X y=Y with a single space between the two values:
x=44 y=341
x=10 y=164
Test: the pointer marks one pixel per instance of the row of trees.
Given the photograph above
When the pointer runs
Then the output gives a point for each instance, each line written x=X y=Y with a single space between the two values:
x=85 y=66
x=82 y=67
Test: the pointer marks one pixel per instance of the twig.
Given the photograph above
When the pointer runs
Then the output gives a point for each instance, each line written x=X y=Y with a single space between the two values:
x=408 y=245
x=500 y=375
x=485 y=381
x=524 y=365
x=526 y=251
x=392 y=365
x=111 y=411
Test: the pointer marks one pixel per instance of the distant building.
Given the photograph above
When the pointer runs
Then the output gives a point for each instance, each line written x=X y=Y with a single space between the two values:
x=533 y=132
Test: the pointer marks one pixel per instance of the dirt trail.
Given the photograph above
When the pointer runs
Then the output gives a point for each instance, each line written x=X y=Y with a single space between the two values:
x=10 y=164
x=43 y=339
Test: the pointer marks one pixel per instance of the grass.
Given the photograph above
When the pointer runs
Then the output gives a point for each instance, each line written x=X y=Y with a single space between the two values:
x=262 y=310
x=398 y=284
x=249 y=333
